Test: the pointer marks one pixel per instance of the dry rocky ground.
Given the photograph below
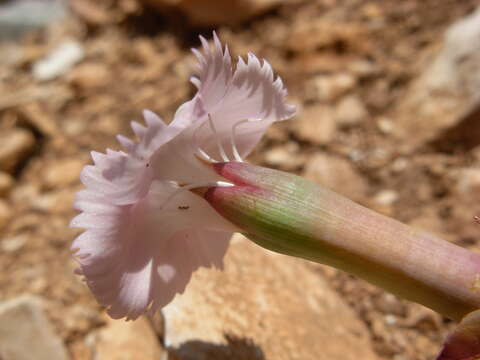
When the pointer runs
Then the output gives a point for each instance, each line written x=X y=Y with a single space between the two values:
x=388 y=116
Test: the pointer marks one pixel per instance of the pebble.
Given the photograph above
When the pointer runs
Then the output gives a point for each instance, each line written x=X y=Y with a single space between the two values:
x=17 y=144
x=284 y=157
x=331 y=87
x=63 y=172
x=438 y=104
x=350 y=111
x=59 y=61
x=385 y=126
x=383 y=202
x=54 y=202
x=14 y=243
x=336 y=174
x=386 y=197
x=90 y=76
x=316 y=124
x=6 y=183
x=468 y=183
x=26 y=333
x=122 y=340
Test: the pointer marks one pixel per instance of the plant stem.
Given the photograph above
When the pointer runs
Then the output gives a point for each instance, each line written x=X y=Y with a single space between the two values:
x=290 y=215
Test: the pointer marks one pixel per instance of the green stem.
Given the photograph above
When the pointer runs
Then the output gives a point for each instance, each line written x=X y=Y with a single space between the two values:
x=290 y=215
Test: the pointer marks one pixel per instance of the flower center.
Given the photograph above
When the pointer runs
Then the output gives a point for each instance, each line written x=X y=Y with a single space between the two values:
x=193 y=186
x=201 y=153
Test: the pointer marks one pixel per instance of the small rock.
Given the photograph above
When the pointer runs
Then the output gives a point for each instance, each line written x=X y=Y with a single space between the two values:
x=362 y=68
x=126 y=340
x=216 y=12
x=262 y=306
x=25 y=332
x=63 y=172
x=19 y=17
x=331 y=87
x=17 y=144
x=468 y=183
x=336 y=174
x=350 y=111
x=386 y=126
x=386 y=197
x=59 y=61
x=40 y=119
x=437 y=105
x=284 y=157
x=315 y=124
x=5 y=213
x=54 y=202
x=90 y=76
x=23 y=194
x=6 y=183
x=14 y=243
x=383 y=202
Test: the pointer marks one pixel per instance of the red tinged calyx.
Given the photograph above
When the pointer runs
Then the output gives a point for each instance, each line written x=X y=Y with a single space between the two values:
x=290 y=215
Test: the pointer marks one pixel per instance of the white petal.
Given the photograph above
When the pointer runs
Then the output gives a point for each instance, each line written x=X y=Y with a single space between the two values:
x=251 y=93
x=135 y=258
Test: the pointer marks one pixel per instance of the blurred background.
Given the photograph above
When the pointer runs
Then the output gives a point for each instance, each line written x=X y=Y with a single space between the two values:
x=388 y=94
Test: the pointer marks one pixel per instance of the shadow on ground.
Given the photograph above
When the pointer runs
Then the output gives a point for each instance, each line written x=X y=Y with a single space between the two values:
x=235 y=349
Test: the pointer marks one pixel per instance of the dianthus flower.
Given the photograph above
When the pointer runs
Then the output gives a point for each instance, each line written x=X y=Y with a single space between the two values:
x=145 y=232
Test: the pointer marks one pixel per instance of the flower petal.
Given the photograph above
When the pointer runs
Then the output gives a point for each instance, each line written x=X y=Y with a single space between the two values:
x=135 y=258
x=116 y=177
x=251 y=93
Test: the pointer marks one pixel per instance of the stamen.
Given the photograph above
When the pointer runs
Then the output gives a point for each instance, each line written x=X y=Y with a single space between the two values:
x=205 y=156
x=219 y=144
x=194 y=186
x=236 y=154
x=200 y=151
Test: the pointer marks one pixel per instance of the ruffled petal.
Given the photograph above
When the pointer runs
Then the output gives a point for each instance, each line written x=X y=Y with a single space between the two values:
x=250 y=93
x=135 y=258
x=117 y=178
x=214 y=73
x=152 y=136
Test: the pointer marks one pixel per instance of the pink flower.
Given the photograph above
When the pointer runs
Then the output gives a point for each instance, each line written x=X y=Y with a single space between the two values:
x=145 y=231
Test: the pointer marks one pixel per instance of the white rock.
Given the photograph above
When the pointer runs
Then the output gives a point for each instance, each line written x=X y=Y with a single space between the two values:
x=18 y=17
x=386 y=197
x=59 y=61
x=448 y=90
x=25 y=332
